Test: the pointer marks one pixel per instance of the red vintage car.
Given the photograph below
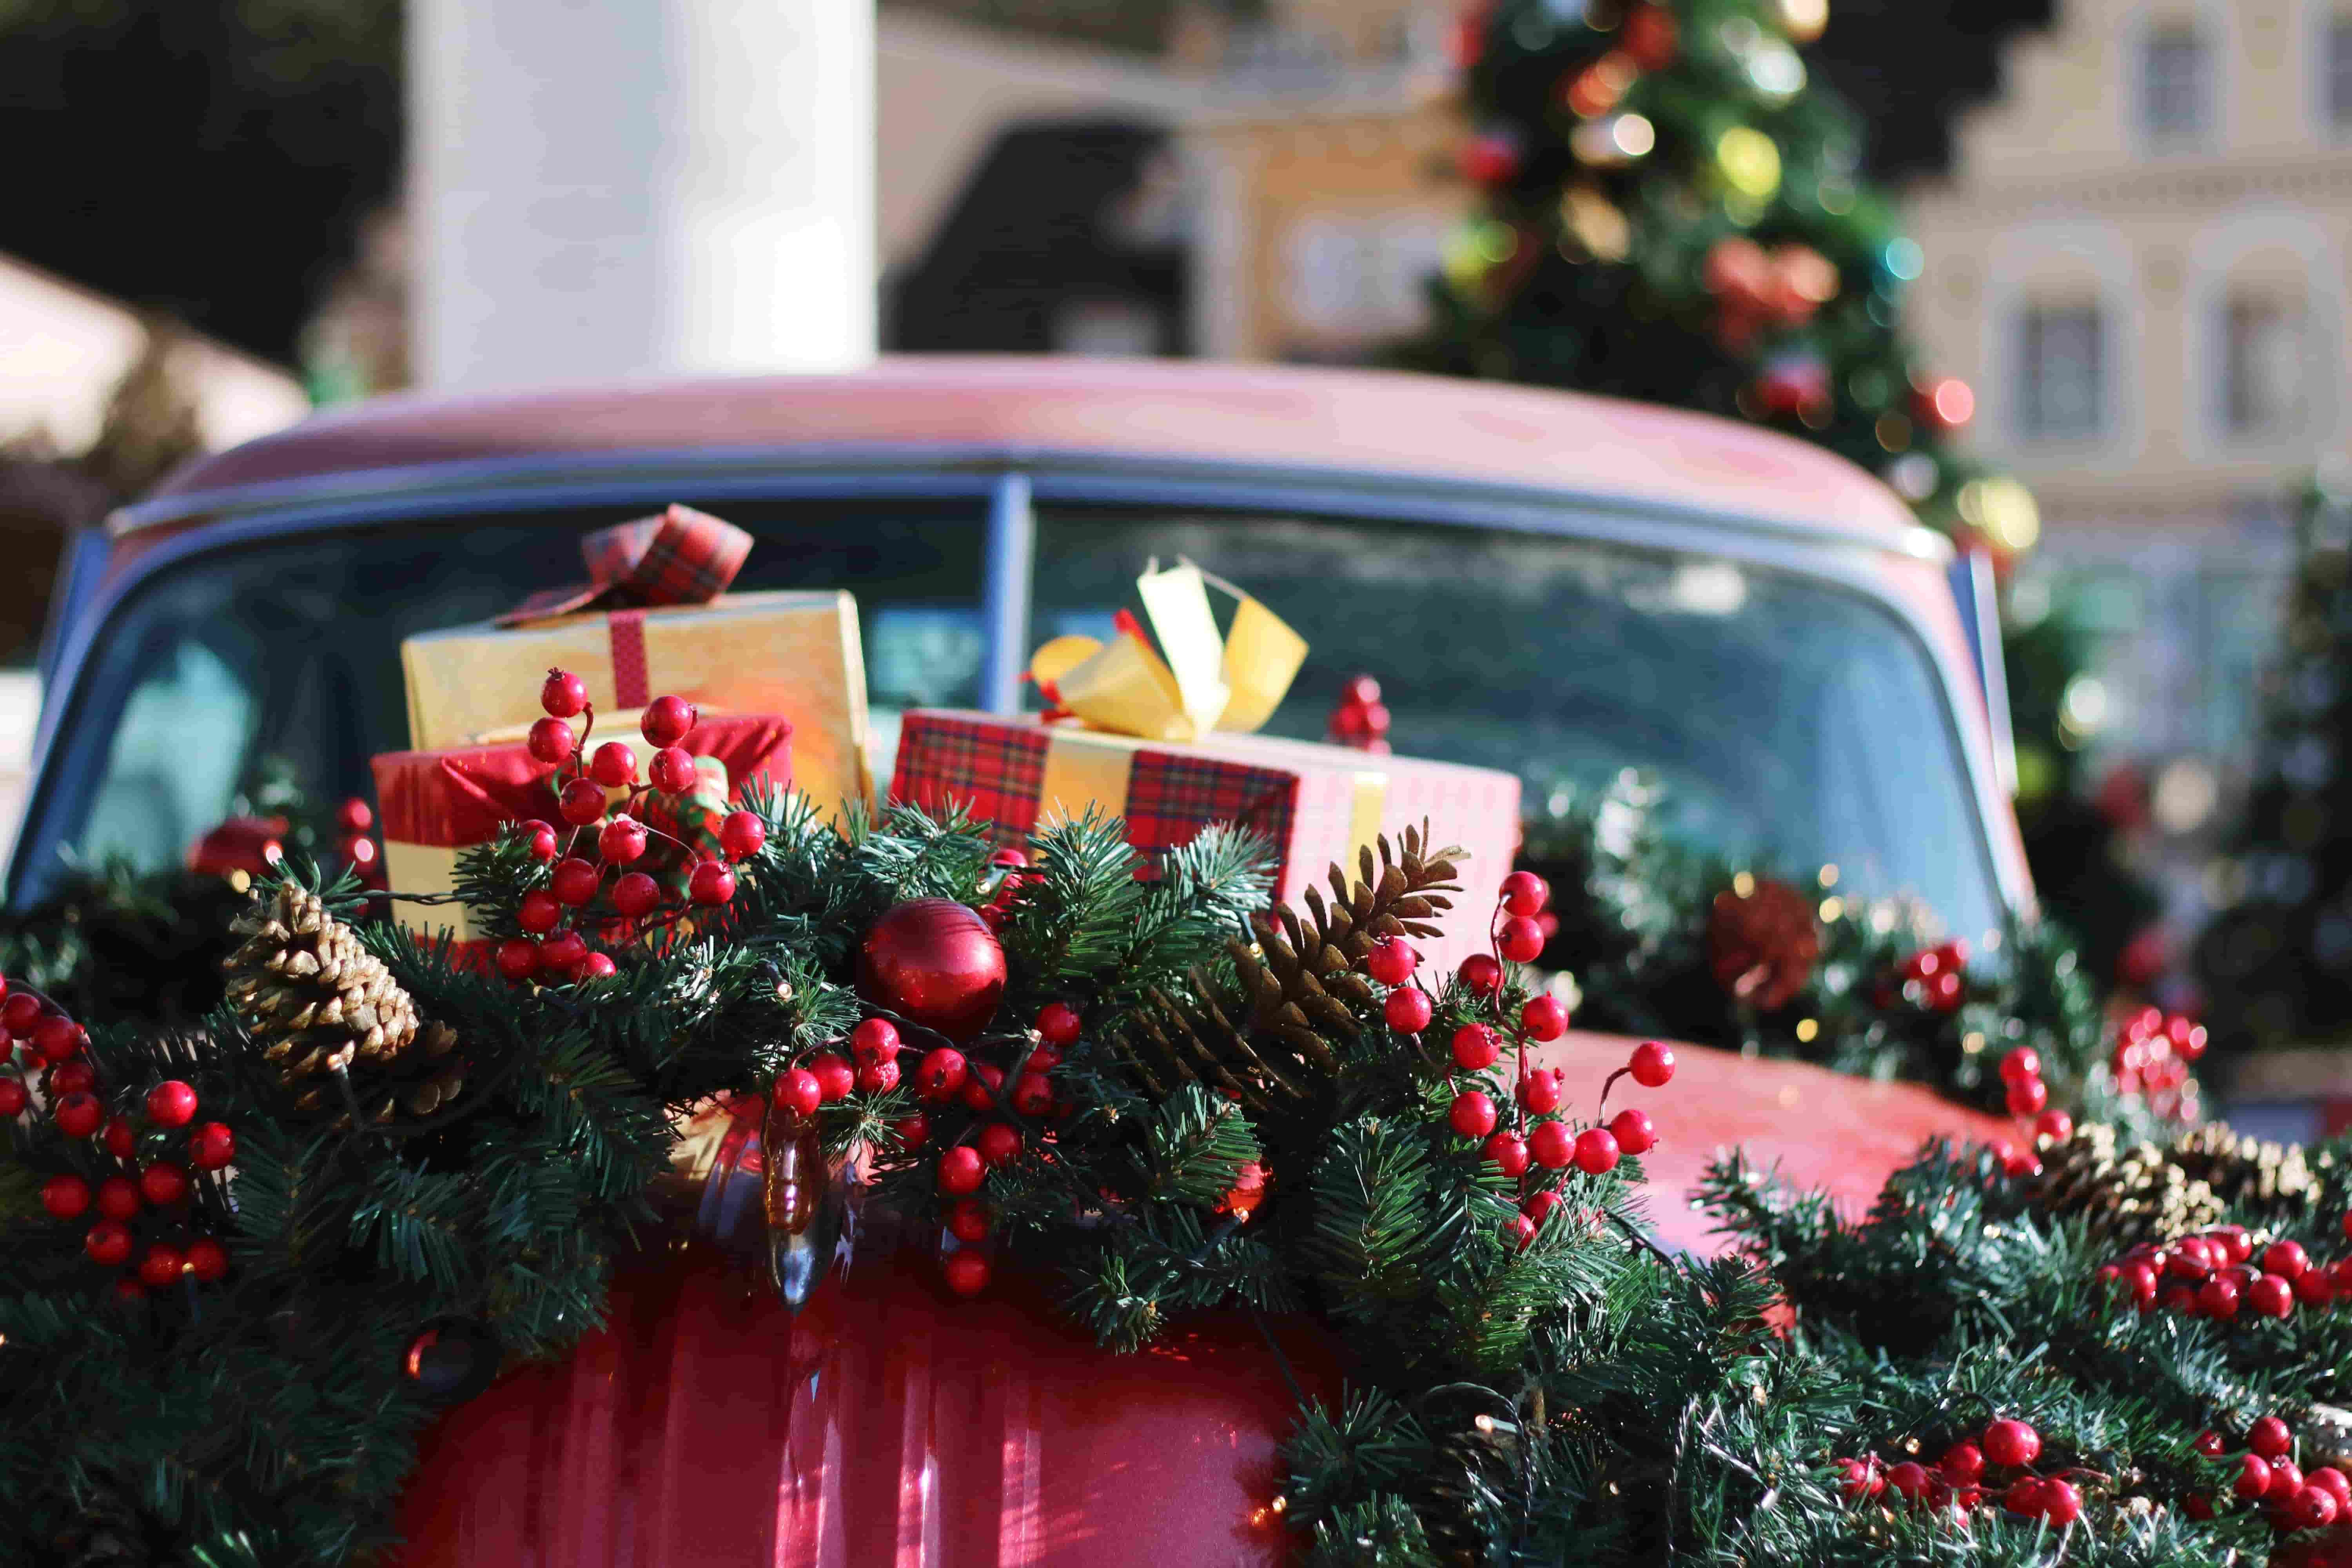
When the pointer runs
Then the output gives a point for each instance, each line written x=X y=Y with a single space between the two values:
x=1563 y=586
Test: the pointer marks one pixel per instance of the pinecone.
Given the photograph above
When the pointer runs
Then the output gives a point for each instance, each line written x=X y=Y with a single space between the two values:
x=2247 y=1170
x=1761 y=945
x=2125 y=1196
x=1272 y=1045
x=322 y=1003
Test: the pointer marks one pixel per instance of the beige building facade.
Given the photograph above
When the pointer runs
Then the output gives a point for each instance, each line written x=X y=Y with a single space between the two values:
x=2139 y=261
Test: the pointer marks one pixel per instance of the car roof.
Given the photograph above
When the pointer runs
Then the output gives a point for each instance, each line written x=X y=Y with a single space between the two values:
x=1350 y=421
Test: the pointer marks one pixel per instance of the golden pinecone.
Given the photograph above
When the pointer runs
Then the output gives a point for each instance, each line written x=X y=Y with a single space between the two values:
x=2248 y=1171
x=320 y=1004
x=2124 y=1195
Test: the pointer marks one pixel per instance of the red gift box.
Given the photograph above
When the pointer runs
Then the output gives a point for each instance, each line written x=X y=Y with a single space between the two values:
x=438 y=804
x=1317 y=803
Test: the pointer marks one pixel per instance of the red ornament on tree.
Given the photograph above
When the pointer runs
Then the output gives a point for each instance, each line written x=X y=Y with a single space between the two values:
x=1490 y=158
x=1649 y=37
x=936 y=961
x=1761 y=945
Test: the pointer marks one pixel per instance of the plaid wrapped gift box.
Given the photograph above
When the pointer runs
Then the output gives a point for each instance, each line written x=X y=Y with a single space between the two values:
x=435 y=803
x=1317 y=803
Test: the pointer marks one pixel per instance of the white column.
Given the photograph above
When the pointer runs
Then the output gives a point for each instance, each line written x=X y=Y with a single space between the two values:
x=660 y=187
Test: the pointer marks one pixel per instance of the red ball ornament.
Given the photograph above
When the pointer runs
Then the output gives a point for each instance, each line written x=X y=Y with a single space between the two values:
x=1521 y=940
x=1473 y=1114
x=668 y=721
x=1544 y=1017
x=2269 y=1437
x=66 y=1197
x=2286 y=1258
x=797 y=1090
x=1058 y=1025
x=1596 y=1151
x=968 y=1221
x=635 y=894
x=1391 y=960
x=1476 y=1048
x=108 y=1243
x=621 y=841
x=582 y=801
x=2269 y=1296
x=741 y=835
x=1542 y=1090
x=553 y=742
x=563 y=694
x=540 y=838
x=77 y=1115
x=1524 y=893
x=207 y=1260
x=1481 y=975
x=614 y=765
x=1652 y=1064
x=936 y=961
x=672 y=770
x=574 y=881
x=999 y=1143
x=2011 y=1443
x=711 y=882
x=961 y=1170
x=14 y=1098
x=517 y=957
x=1490 y=159
x=1507 y=1152
x=162 y=1184
x=160 y=1266
x=539 y=912
x=2026 y=1099
x=1649 y=37
x=835 y=1077
x=1408 y=1010
x=966 y=1272
x=1633 y=1130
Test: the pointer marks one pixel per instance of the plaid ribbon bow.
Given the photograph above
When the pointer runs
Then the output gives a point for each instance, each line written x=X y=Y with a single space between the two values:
x=681 y=557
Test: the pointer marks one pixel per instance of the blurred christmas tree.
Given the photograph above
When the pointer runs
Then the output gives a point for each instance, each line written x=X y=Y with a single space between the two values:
x=2278 y=963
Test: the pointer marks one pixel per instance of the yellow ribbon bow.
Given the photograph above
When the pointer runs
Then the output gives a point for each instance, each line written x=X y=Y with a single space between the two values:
x=1204 y=683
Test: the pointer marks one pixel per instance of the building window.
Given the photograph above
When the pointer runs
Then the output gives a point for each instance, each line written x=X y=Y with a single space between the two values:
x=2338 y=66
x=2263 y=381
x=2174 y=91
x=2060 y=358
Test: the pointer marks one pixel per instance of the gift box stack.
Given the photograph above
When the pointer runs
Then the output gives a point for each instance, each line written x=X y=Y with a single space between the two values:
x=1160 y=738
x=778 y=677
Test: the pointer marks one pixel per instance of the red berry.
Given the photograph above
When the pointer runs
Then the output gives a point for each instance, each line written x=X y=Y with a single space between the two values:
x=2192 y=1258
x=1540 y=1206
x=998 y=1144
x=66 y=1197
x=563 y=694
x=2218 y=1298
x=14 y=1098
x=797 y=1090
x=1032 y=1094
x=966 y=1272
x=1361 y=691
x=873 y=1037
x=1508 y=1152
x=1476 y=1047
x=1473 y=1114
x=2180 y=1300
x=160 y=1266
x=636 y=894
x=539 y=912
x=941 y=1074
x=1541 y=1090
x=207 y=1260
x=961 y=1171
x=2235 y=1246
x=2330 y=1480
x=1908 y=1480
x=1524 y=893
x=59 y=1039
x=2027 y=1097
x=668 y=721
x=622 y=840
x=2016 y=1162
x=2062 y=1502
x=835 y=1077
x=2271 y=1296
x=2211 y=1445
x=121 y=1140
x=1521 y=940
x=1596 y=1151
x=582 y=801
x=563 y=952
x=108 y=1242
x=2286 y=1259
x=162 y=1184
x=1652 y=1064
x=711 y=883
x=1044 y=1058
x=517 y=957
x=1544 y=1017
x=1962 y=1463
x=72 y=1077
x=1632 y=1131
x=354 y=815
x=1390 y=960
x=2269 y=1437
x=2313 y=1508
x=672 y=771
x=1945 y=991
x=877 y=1076
x=1861 y=1480
x=540 y=836
x=2021 y=1065
x=1408 y=1010
x=2055 y=1125
x=553 y=742
x=2011 y=1443
x=912 y=1132
x=2315 y=1287
x=980 y=1084
x=1519 y=1231
x=741 y=835
x=20 y=1014
x=968 y=1221
x=1058 y=1023
x=77 y=1115
x=614 y=765
x=1481 y=975
x=1553 y=1144
x=2285 y=1480
x=128 y=1291
x=574 y=880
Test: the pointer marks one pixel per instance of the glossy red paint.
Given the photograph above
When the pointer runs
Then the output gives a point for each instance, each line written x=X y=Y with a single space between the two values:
x=894 y=1426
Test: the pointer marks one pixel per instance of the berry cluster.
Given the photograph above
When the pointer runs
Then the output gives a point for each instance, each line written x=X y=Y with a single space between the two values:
x=1936 y=978
x=2268 y=1478
x=1540 y=1141
x=613 y=895
x=2215 y=1276
x=1999 y=1461
x=355 y=844
x=1361 y=720
x=2152 y=1055
x=1009 y=867
x=134 y=1169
